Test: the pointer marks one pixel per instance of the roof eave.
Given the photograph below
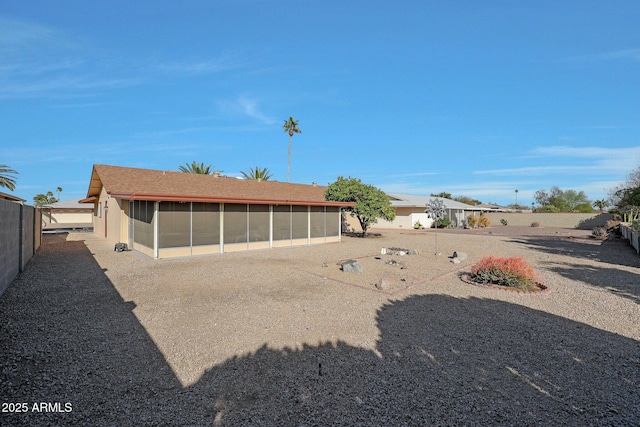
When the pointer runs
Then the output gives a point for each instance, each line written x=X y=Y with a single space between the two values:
x=209 y=199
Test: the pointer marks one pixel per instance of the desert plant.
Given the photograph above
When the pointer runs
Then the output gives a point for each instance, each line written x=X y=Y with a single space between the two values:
x=613 y=226
x=483 y=221
x=442 y=223
x=599 y=233
x=511 y=272
x=472 y=221
x=503 y=221
x=535 y=224
x=417 y=225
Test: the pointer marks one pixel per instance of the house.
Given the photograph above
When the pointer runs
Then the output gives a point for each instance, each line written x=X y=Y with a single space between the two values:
x=169 y=214
x=68 y=215
x=12 y=198
x=411 y=209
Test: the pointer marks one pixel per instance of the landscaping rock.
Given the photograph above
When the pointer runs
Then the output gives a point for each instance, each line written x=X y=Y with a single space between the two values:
x=460 y=255
x=384 y=284
x=401 y=251
x=352 y=266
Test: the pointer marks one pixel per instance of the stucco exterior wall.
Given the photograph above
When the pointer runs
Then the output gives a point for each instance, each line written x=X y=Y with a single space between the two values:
x=66 y=217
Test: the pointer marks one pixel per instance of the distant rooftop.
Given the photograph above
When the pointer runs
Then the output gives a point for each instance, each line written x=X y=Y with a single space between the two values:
x=69 y=204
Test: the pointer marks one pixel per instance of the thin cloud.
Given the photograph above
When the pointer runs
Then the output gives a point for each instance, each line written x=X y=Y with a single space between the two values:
x=616 y=55
x=224 y=62
x=586 y=152
x=594 y=160
x=249 y=107
x=17 y=35
x=539 y=170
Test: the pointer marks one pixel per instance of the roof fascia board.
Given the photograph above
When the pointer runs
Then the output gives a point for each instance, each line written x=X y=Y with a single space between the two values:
x=173 y=198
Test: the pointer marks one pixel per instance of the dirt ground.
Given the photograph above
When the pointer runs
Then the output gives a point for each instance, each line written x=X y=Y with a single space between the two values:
x=284 y=337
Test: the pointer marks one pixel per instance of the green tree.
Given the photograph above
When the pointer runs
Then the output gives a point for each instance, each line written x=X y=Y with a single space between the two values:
x=59 y=190
x=198 y=168
x=44 y=199
x=541 y=197
x=626 y=197
x=442 y=194
x=600 y=204
x=563 y=201
x=371 y=202
x=574 y=198
x=6 y=180
x=261 y=174
x=290 y=126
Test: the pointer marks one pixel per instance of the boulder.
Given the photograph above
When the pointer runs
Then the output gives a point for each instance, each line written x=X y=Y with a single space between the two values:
x=352 y=266
x=384 y=284
x=460 y=255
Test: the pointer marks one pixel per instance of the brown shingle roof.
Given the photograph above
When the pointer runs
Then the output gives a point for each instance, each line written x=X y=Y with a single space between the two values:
x=147 y=184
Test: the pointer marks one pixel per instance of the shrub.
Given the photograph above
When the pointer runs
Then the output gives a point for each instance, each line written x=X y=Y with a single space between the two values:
x=442 y=223
x=535 y=224
x=512 y=272
x=635 y=225
x=547 y=209
x=483 y=221
x=472 y=221
x=613 y=226
x=599 y=233
x=611 y=223
x=503 y=221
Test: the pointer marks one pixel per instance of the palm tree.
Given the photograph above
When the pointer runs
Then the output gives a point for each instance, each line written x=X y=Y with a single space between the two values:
x=44 y=199
x=59 y=190
x=261 y=174
x=6 y=180
x=600 y=204
x=290 y=126
x=198 y=168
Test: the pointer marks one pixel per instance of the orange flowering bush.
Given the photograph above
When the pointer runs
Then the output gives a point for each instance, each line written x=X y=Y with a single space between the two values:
x=512 y=272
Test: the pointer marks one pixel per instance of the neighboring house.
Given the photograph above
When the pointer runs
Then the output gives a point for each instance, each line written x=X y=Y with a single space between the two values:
x=12 y=198
x=70 y=214
x=490 y=207
x=411 y=209
x=169 y=214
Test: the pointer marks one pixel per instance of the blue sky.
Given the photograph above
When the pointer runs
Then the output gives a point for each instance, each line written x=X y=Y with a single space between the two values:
x=475 y=98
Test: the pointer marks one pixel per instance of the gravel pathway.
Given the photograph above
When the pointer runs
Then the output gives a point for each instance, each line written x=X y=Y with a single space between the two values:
x=283 y=337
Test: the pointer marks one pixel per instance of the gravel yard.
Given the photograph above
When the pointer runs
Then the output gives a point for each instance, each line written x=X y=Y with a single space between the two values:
x=283 y=337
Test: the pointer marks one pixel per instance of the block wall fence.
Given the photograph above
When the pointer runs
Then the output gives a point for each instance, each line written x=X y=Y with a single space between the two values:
x=20 y=238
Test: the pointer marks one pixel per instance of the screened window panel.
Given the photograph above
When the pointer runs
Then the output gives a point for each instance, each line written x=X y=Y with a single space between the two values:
x=258 y=223
x=333 y=221
x=317 y=221
x=174 y=226
x=299 y=222
x=282 y=222
x=143 y=222
x=205 y=224
x=235 y=223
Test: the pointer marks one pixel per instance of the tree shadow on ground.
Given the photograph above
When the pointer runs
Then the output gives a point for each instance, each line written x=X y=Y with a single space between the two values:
x=439 y=360
x=615 y=251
